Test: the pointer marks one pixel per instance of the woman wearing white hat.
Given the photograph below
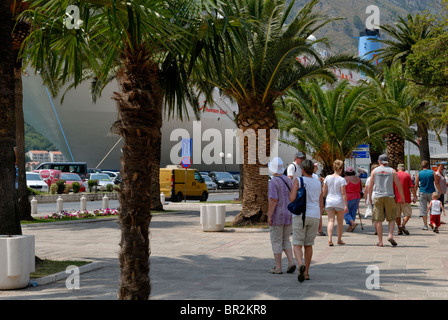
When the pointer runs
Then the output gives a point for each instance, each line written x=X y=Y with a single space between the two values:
x=279 y=217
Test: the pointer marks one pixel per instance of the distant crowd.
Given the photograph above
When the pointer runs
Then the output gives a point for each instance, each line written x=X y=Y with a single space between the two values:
x=388 y=195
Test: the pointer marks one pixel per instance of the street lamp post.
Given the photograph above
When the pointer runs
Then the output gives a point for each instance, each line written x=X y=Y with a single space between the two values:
x=223 y=156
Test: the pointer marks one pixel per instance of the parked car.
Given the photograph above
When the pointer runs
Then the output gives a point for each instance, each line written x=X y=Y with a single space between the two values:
x=34 y=182
x=224 y=180
x=237 y=177
x=73 y=177
x=115 y=176
x=210 y=184
x=103 y=180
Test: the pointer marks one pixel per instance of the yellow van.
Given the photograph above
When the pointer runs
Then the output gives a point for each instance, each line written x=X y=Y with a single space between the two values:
x=172 y=184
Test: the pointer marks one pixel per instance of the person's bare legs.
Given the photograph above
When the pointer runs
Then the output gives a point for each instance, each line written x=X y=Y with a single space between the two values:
x=330 y=225
x=298 y=254
x=340 y=227
x=391 y=229
x=379 y=231
x=308 y=256
x=289 y=256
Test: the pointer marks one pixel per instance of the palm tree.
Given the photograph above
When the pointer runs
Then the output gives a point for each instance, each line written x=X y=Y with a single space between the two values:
x=267 y=41
x=20 y=32
x=333 y=122
x=403 y=36
x=403 y=103
x=147 y=47
x=9 y=222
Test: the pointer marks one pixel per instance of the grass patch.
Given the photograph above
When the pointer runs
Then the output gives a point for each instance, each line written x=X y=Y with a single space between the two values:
x=45 y=267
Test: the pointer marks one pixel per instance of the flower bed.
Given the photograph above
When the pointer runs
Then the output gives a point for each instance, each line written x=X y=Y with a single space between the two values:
x=64 y=215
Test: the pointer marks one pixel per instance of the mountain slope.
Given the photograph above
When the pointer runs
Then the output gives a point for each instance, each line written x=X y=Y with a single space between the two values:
x=342 y=34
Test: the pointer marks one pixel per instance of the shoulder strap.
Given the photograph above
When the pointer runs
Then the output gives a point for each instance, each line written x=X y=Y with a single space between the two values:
x=285 y=183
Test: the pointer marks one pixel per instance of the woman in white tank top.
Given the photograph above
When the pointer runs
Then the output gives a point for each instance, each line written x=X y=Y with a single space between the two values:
x=335 y=201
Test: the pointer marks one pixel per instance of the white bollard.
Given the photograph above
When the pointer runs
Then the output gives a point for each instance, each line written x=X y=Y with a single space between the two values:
x=162 y=198
x=33 y=206
x=83 y=204
x=59 y=204
x=213 y=217
x=17 y=254
x=105 y=202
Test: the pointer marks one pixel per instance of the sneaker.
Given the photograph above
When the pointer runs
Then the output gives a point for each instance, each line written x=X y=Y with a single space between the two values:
x=436 y=230
x=425 y=228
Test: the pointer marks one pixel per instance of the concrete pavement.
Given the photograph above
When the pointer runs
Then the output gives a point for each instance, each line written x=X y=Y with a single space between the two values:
x=189 y=264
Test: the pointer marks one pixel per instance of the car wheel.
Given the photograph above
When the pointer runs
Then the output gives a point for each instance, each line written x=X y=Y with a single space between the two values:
x=179 y=197
x=204 y=196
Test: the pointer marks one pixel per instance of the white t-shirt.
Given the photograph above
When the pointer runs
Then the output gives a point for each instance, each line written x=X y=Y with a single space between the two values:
x=435 y=207
x=313 y=190
x=334 y=196
x=294 y=170
x=373 y=192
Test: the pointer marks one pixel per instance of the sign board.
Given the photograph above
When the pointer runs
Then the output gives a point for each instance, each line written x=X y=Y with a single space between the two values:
x=186 y=147
x=44 y=174
x=361 y=152
x=185 y=162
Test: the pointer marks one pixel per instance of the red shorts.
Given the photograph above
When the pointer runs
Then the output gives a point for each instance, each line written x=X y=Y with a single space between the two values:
x=435 y=220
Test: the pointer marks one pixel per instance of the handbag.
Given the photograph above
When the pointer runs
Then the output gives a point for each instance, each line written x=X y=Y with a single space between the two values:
x=298 y=206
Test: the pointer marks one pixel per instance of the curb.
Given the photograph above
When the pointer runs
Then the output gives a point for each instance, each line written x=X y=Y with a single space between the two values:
x=64 y=275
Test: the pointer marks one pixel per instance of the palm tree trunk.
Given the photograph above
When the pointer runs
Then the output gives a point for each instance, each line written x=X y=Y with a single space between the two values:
x=255 y=200
x=21 y=31
x=140 y=120
x=156 y=204
x=9 y=222
x=395 y=149
x=24 y=205
x=423 y=142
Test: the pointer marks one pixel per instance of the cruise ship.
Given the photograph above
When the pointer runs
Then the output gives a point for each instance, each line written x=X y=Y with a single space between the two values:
x=80 y=129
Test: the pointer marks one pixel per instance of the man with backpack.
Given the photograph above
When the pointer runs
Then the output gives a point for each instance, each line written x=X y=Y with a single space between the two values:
x=293 y=171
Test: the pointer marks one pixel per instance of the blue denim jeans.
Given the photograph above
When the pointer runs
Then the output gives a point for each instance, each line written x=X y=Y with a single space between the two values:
x=352 y=210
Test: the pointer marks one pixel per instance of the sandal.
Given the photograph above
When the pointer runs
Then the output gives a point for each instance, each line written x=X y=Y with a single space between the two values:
x=275 y=271
x=330 y=243
x=291 y=268
x=341 y=243
x=307 y=277
x=379 y=244
x=301 y=276
x=406 y=232
x=392 y=241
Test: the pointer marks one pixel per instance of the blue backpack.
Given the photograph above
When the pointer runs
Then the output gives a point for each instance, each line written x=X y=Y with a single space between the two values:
x=298 y=206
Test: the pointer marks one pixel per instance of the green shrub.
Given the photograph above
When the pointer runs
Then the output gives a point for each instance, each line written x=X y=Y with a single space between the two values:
x=60 y=186
x=76 y=187
x=32 y=192
x=53 y=188
x=110 y=187
x=91 y=184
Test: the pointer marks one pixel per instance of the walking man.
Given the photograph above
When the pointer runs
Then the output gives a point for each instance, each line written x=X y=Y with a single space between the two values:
x=294 y=170
x=428 y=182
x=382 y=183
x=405 y=208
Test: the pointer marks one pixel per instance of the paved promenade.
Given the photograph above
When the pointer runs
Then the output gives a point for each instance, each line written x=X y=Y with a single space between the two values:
x=189 y=264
